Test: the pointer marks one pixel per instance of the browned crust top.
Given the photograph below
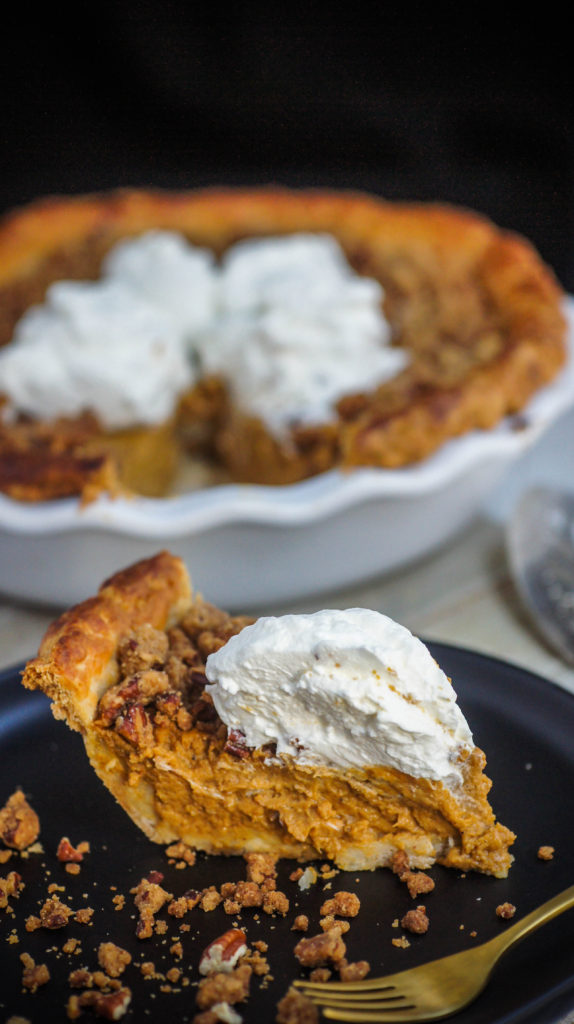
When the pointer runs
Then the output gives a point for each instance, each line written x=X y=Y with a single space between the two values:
x=77 y=659
x=475 y=305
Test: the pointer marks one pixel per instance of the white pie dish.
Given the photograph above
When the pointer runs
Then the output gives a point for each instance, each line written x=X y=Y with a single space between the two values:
x=249 y=546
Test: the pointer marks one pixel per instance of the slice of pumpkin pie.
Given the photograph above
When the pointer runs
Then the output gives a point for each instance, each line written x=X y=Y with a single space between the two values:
x=332 y=735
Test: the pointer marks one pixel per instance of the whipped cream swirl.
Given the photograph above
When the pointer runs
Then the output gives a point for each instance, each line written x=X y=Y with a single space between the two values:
x=350 y=688
x=297 y=330
x=90 y=347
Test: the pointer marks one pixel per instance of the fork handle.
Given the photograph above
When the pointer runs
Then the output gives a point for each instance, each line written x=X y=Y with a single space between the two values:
x=557 y=905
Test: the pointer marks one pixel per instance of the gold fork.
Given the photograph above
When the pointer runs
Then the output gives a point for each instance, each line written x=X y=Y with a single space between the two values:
x=432 y=990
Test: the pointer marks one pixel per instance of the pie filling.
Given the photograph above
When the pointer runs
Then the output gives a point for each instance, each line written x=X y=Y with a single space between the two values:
x=154 y=736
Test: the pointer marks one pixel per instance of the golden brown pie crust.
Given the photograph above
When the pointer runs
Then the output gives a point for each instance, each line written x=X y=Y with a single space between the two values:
x=475 y=306
x=126 y=669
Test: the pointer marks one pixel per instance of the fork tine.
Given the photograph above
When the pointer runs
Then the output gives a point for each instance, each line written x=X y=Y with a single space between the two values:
x=359 y=1000
x=373 y=1016
x=368 y=985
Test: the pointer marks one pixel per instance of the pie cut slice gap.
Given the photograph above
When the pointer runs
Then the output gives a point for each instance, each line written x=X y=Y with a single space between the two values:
x=334 y=735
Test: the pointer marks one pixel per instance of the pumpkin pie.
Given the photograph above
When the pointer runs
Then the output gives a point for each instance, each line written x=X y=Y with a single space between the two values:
x=473 y=308
x=142 y=671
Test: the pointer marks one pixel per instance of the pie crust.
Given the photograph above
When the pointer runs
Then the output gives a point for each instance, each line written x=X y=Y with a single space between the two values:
x=475 y=306
x=126 y=669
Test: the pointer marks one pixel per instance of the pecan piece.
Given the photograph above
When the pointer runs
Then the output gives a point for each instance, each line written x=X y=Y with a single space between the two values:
x=235 y=744
x=221 y=955
x=134 y=724
x=68 y=854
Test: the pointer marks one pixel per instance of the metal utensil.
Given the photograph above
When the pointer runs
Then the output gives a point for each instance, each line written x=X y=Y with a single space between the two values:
x=540 y=545
x=433 y=990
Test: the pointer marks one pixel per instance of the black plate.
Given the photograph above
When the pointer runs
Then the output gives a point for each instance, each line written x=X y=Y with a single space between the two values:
x=525 y=725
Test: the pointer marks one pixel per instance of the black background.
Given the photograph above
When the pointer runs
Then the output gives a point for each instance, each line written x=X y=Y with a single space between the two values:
x=452 y=102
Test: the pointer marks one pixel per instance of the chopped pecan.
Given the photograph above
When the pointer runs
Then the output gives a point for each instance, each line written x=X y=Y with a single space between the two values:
x=222 y=954
x=68 y=854
x=134 y=724
x=235 y=744
x=110 y=1005
x=141 y=689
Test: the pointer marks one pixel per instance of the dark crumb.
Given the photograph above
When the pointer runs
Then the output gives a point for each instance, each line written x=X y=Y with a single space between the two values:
x=331 y=922
x=181 y=852
x=295 y=1008
x=33 y=974
x=149 y=898
x=260 y=866
x=416 y=921
x=10 y=888
x=322 y=973
x=318 y=950
x=505 y=911
x=417 y=882
x=355 y=971
x=113 y=959
x=19 y=823
x=276 y=903
x=300 y=924
x=224 y=988
x=344 y=904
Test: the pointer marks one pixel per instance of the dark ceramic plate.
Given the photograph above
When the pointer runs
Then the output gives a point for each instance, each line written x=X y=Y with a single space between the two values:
x=526 y=727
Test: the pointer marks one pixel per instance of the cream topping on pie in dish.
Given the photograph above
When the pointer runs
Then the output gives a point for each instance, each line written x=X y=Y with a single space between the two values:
x=284 y=322
x=90 y=347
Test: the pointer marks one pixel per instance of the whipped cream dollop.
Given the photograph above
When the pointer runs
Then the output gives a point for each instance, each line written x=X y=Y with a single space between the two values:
x=284 y=321
x=297 y=329
x=350 y=688
x=178 y=278
x=90 y=347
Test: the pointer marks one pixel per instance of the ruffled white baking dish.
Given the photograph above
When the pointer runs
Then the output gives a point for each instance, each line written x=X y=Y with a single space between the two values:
x=252 y=546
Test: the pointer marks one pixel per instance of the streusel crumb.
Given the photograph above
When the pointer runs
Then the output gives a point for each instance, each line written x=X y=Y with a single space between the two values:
x=295 y=1008
x=19 y=823
x=416 y=921
x=505 y=911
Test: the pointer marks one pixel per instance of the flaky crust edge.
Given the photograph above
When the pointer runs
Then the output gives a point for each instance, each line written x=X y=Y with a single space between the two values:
x=77 y=659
